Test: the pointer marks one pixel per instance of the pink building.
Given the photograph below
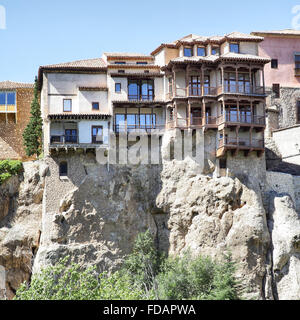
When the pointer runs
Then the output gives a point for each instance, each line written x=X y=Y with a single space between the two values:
x=282 y=75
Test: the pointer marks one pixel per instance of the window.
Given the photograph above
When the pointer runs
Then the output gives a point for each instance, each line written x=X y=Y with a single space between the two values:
x=274 y=63
x=215 y=51
x=120 y=62
x=234 y=47
x=276 y=90
x=298 y=111
x=134 y=121
x=223 y=163
x=95 y=105
x=146 y=71
x=142 y=62
x=141 y=89
x=7 y=98
x=118 y=87
x=187 y=52
x=297 y=61
x=121 y=71
x=67 y=105
x=195 y=86
x=63 y=169
x=201 y=52
x=97 y=134
x=71 y=136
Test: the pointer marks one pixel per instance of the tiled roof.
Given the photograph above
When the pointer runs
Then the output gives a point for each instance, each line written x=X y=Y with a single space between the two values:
x=15 y=85
x=88 y=63
x=243 y=36
x=290 y=32
x=240 y=56
x=127 y=54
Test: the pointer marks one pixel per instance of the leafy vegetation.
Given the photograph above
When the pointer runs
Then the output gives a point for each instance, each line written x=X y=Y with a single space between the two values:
x=9 y=168
x=32 y=136
x=146 y=274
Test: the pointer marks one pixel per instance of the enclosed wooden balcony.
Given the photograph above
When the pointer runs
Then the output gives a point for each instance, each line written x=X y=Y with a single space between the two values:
x=241 y=89
x=242 y=120
x=239 y=144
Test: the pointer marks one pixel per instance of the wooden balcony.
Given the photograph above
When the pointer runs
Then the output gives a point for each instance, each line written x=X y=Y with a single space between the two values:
x=245 y=90
x=239 y=144
x=241 y=120
x=126 y=128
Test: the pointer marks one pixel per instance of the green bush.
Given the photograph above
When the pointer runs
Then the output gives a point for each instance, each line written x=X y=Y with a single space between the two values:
x=146 y=274
x=9 y=168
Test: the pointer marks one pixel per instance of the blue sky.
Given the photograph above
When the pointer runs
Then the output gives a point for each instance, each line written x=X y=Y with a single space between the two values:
x=40 y=32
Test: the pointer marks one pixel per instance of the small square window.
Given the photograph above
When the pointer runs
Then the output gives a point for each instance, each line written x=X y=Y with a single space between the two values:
x=187 y=52
x=298 y=111
x=142 y=62
x=118 y=87
x=121 y=71
x=67 y=105
x=234 y=47
x=274 y=63
x=95 y=105
x=215 y=51
x=201 y=52
x=120 y=62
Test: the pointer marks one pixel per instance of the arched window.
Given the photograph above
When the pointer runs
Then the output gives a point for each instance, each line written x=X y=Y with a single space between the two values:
x=63 y=169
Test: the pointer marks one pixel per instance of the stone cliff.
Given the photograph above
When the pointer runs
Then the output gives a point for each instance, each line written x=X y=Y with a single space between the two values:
x=185 y=206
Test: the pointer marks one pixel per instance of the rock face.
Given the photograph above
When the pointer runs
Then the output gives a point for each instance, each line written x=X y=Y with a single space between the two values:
x=98 y=221
x=209 y=216
x=20 y=224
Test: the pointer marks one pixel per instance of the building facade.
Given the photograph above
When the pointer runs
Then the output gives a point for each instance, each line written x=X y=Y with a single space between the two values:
x=15 y=104
x=282 y=78
x=214 y=84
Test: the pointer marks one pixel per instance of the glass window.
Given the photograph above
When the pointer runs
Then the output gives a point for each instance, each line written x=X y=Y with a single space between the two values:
x=234 y=47
x=63 y=169
x=120 y=62
x=97 y=134
x=142 y=62
x=67 y=105
x=2 y=98
x=215 y=50
x=133 y=90
x=11 y=98
x=118 y=87
x=298 y=111
x=141 y=90
x=201 y=52
x=297 y=61
x=188 y=52
x=95 y=105
x=274 y=63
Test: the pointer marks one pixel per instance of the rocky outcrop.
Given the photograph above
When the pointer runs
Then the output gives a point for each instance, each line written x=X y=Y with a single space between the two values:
x=98 y=221
x=284 y=226
x=20 y=224
x=209 y=216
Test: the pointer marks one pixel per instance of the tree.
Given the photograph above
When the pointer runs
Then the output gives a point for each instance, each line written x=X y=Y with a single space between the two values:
x=32 y=136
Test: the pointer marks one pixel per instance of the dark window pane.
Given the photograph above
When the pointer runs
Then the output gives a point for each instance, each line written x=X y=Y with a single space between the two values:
x=63 y=169
x=215 y=50
x=276 y=90
x=120 y=62
x=297 y=58
x=201 y=51
x=11 y=98
x=142 y=62
x=95 y=105
x=97 y=134
x=274 y=63
x=188 y=52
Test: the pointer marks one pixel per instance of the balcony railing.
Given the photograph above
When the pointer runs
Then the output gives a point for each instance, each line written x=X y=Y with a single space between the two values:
x=241 y=118
x=63 y=139
x=242 y=89
x=137 y=128
x=137 y=97
x=241 y=143
x=196 y=121
x=8 y=109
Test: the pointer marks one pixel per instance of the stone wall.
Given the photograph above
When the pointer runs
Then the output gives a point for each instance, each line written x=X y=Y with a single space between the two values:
x=11 y=140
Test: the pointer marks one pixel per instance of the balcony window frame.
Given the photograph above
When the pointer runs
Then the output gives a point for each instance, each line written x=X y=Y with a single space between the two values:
x=94 y=137
x=276 y=90
x=71 y=105
x=217 y=49
x=120 y=62
x=297 y=63
x=139 y=96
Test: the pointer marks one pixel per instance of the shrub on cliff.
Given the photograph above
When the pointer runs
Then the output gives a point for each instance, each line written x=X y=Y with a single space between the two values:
x=32 y=136
x=146 y=274
x=9 y=168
